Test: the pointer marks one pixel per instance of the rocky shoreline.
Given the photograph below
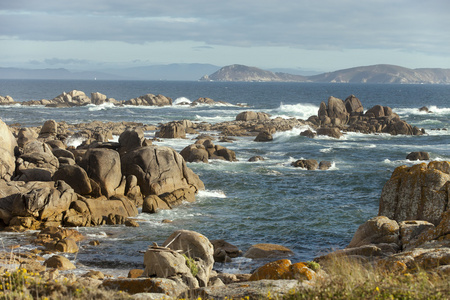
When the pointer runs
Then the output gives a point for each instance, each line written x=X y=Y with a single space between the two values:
x=51 y=187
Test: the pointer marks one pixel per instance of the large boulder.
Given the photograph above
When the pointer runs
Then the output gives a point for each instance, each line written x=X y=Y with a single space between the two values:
x=196 y=247
x=378 y=230
x=172 y=130
x=159 y=170
x=103 y=166
x=166 y=263
x=264 y=136
x=131 y=139
x=8 y=146
x=41 y=201
x=26 y=135
x=336 y=110
x=98 y=98
x=333 y=132
x=76 y=177
x=252 y=116
x=150 y=100
x=309 y=164
x=99 y=209
x=420 y=192
x=37 y=155
x=195 y=153
x=267 y=251
x=353 y=105
x=419 y=155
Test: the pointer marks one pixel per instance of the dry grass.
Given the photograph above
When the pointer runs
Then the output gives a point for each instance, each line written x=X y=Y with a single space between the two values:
x=350 y=279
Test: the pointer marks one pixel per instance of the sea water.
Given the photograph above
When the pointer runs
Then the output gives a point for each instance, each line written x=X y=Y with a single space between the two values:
x=245 y=203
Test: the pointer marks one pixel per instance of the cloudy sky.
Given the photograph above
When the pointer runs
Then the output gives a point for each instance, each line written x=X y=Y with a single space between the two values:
x=322 y=35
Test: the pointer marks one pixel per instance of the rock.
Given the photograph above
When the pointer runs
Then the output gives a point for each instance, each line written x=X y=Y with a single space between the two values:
x=50 y=128
x=325 y=165
x=59 y=262
x=172 y=130
x=36 y=174
x=8 y=146
x=76 y=177
x=131 y=139
x=424 y=109
x=309 y=164
x=256 y=158
x=166 y=263
x=58 y=152
x=377 y=230
x=150 y=100
x=252 y=116
x=208 y=101
x=26 y=135
x=333 y=132
x=410 y=230
x=267 y=251
x=67 y=245
x=197 y=247
x=103 y=166
x=264 y=136
x=94 y=274
x=195 y=153
x=418 y=156
x=353 y=105
x=38 y=155
x=100 y=209
x=6 y=100
x=224 y=251
x=42 y=200
x=438 y=233
x=153 y=203
x=416 y=193
x=168 y=287
x=308 y=133
x=159 y=170
x=336 y=110
x=133 y=191
x=98 y=98
x=178 y=196
x=283 y=269
x=131 y=223
x=135 y=273
x=277 y=289
x=224 y=153
x=377 y=111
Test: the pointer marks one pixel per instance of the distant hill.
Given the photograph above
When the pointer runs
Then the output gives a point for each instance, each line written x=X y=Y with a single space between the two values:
x=366 y=74
x=245 y=73
x=60 y=73
x=154 y=72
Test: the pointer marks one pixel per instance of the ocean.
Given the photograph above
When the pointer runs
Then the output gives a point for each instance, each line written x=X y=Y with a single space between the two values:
x=310 y=212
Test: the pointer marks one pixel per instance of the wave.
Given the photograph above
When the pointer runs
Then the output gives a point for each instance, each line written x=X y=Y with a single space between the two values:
x=104 y=106
x=211 y=194
x=75 y=142
x=300 y=111
x=294 y=132
x=182 y=101
x=433 y=110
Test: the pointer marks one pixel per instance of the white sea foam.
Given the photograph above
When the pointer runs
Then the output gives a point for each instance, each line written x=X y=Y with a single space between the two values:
x=300 y=111
x=433 y=110
x=104 y=106
x=211 y=194
x=182 y=101
x=75 y=142
x=294 y=132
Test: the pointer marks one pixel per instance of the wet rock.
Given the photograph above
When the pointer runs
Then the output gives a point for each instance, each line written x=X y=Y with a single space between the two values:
x=224 y=251
x=264 y=136
x=256 y=158
x=251 y=115
x=195 y=153
x=333 y=132
x=308 y=133
x=325 y=165
x=308 y=164
x=418 y=156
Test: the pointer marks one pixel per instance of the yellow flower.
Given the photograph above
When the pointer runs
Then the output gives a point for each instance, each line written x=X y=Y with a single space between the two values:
x=377 y=289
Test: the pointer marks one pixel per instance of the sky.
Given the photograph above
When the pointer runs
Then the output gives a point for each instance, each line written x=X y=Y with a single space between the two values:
x=319 y=35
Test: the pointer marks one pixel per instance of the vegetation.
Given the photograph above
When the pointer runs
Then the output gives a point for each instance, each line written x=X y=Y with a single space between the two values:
x=192 y=265
x=350 y=279
x=21 y=284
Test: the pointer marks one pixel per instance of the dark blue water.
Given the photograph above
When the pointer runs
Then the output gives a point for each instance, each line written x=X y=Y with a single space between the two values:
x=246 y=203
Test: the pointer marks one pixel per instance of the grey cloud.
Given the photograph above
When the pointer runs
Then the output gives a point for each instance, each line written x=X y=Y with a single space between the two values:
x=402 y=25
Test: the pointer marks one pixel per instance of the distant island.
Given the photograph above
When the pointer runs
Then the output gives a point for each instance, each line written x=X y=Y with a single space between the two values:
x=367 y=74
x=381 y=73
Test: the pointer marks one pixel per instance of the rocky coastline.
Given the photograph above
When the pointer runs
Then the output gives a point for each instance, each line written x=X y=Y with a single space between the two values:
x=48 y=186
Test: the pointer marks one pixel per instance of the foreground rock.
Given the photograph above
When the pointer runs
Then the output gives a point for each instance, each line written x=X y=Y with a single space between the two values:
x=412 y=230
